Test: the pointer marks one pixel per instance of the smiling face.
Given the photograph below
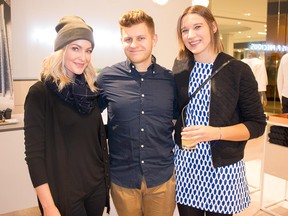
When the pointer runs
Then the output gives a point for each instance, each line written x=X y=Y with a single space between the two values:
x=196 y=36
x=138 y=42
x=77 y=56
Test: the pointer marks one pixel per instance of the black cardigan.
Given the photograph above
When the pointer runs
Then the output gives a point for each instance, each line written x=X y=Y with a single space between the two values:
x=63 y=148
x=234 y=99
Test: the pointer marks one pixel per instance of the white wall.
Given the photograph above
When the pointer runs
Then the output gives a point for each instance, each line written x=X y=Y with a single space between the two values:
x=16 y=188
x=35 y=17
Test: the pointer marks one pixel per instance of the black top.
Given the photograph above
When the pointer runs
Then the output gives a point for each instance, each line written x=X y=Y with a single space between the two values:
x=64 y=148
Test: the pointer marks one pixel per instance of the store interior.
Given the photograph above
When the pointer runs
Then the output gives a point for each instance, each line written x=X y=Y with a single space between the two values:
x=258 y=25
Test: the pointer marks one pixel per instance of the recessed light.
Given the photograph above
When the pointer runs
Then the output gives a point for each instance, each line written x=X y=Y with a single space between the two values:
x=160 y=2
x=200 y=2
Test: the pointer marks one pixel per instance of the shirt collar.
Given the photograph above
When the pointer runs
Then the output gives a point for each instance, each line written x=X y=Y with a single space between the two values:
x=131 y=66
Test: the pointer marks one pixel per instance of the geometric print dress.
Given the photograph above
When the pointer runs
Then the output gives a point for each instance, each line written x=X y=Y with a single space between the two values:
x=198 y=184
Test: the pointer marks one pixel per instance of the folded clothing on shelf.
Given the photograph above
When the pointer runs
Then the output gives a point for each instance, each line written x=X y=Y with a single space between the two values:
x=278 y=135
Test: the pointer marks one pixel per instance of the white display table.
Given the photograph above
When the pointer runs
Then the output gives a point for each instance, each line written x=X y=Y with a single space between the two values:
x=16 y=188
x=275 y=163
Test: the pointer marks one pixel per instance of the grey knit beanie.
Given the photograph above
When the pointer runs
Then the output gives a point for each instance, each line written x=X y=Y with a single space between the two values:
x=71 y=28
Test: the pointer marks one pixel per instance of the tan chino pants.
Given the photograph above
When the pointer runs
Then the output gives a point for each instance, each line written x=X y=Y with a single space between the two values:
x=155 y=201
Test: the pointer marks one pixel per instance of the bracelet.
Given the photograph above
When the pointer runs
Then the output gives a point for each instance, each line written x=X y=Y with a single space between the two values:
x=220 y=136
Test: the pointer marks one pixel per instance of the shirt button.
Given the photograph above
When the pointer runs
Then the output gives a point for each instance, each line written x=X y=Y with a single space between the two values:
x=142 y=95
x=142 y=129
x=142 y=79
x=142 y=146
x=142 y=112
x=142 y=162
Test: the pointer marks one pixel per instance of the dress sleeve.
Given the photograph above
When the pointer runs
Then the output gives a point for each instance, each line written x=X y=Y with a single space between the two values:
x=263 y=79
x=280 y=77
x=34 y=131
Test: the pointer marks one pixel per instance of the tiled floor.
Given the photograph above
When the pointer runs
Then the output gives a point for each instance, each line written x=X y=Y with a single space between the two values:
x=25 y=212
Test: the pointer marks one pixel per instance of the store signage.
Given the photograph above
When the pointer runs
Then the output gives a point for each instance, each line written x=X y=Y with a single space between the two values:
x=268 y=47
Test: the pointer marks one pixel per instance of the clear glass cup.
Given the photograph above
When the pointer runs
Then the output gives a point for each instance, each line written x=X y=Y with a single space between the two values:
x=185 y=142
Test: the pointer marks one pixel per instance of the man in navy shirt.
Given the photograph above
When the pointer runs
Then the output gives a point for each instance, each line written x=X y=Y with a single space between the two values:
x=140 y=97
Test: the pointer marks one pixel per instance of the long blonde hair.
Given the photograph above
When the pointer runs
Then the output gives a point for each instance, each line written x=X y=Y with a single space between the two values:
x=204 y=12
x=53 y=67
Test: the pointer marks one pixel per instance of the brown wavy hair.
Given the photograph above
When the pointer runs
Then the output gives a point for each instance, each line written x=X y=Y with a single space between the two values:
x=204 y=12
x=135 y=17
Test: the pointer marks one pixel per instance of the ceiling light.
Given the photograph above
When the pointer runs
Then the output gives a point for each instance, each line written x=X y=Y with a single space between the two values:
x=200 y=2
x=160 y=2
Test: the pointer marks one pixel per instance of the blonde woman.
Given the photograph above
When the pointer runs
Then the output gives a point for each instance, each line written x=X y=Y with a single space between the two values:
x=65 y=142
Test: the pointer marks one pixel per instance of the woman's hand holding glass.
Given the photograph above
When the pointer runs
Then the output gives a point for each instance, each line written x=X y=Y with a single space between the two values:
x=192 y=135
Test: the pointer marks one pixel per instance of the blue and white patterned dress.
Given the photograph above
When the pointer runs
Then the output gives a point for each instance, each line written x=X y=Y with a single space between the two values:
x=198 y=184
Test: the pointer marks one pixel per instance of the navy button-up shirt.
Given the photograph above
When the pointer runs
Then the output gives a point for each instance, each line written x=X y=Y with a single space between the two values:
x=140 y=108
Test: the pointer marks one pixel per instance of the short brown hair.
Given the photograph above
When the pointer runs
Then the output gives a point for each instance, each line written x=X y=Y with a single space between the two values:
x=135 y=17
x=209 y=18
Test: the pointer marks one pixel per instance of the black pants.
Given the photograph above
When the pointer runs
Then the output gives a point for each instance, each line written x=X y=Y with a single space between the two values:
x=284 y=105
x=92 y=205
x=190 y=211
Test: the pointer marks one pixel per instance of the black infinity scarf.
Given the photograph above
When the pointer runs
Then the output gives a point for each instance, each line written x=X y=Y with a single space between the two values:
x=77 y=94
